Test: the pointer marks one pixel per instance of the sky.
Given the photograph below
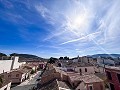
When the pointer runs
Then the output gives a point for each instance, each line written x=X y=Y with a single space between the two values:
x=54 y=28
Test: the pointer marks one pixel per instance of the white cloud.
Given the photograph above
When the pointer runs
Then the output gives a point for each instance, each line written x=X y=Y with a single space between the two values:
x=91 y=22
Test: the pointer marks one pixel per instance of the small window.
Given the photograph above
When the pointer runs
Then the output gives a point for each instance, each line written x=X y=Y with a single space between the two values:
x=80 y=70
x=90 y=88
x=118 y=76
x=85 y=69
x=17 y=75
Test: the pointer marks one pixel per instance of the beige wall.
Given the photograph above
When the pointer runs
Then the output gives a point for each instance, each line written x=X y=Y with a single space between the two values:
x=90 y=70
x=81 y=86
x=97 y=86
x=14 y=78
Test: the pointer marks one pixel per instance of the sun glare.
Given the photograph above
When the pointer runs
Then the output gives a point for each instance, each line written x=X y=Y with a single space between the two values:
x=77 y=23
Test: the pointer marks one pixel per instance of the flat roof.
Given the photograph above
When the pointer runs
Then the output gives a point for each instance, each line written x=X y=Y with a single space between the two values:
x=113 y=68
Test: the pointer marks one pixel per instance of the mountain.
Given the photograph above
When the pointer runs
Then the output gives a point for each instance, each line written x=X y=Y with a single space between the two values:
x=24 y=55
x=27 y=57
x=2 y=54
x=105 y=55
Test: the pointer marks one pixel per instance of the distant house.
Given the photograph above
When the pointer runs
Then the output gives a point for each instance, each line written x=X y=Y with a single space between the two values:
x=113 y=75
x=101 y=61
x=18 y=75
x=83 y=70
x=85 y=82
x=5 y=84
x=74 y=80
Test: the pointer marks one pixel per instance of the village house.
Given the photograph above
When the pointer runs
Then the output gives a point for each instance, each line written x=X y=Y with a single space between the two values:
x=18 y=76
x=5 y=84
x=113 y=76
x=74 y=79
x=85 y=82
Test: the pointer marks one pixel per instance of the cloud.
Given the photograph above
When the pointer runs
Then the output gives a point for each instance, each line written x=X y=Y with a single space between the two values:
x=74 y=26
x=90 y=22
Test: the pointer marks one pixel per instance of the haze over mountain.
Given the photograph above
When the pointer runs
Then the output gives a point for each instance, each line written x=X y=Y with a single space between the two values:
x=105 y=55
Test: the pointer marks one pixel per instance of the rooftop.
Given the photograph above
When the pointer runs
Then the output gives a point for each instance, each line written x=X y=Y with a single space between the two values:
x=63 y=85
x=113 y=68
x=91 y=78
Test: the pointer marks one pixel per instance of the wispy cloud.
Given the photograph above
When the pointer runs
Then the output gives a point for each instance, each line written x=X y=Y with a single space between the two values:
x=73 y=26
x=89 y=21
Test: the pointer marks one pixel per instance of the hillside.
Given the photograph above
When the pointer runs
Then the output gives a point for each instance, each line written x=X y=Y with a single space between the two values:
x=106 y=55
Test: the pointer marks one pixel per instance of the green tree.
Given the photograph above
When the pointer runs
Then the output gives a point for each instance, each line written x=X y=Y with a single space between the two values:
x=51 y=61
x=2 y=54
x=61 y=58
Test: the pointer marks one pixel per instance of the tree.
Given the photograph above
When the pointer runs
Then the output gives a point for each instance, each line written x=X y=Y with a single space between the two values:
x=32 y=72
x=13 y=54
x=2 y=54
x=66 y=58
x=51 y=61
x=61 y=58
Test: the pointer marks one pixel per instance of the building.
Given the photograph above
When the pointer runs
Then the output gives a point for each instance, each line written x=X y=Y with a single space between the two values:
x=12 y=63
x=113 y=76
x=105 y=61
x=85 y=82
x=18 y=75
x=83 y=70
x=74 y=80
x=5 y=84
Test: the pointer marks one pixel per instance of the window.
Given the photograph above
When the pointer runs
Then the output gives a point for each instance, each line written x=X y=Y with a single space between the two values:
x=85 y=69
x=109 y=75
x=17 y=75
x=80 y=70
x=112 y=86
x=90 y=88
x=118 y=76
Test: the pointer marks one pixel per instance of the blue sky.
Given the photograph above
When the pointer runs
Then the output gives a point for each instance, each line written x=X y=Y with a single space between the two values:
x=60 y=27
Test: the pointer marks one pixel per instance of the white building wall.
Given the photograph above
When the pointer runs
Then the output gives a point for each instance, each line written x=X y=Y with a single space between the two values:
x=106 y=61
x=5 y=65
x=75 y=60
x=16 y=63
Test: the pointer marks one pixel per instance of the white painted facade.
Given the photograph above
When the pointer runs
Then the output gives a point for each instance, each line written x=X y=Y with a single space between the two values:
x=75 y=60
x=7 y=65
x=100 y=61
